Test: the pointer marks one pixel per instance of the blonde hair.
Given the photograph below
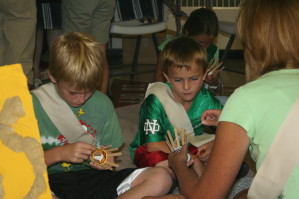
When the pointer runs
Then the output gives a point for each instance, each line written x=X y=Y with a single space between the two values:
x=182 y=52
x=77 y=58
x=268 y=31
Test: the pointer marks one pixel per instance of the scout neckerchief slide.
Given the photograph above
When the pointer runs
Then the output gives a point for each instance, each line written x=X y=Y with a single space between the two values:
x=176 y=113
x=61 y=115
x=282 y=158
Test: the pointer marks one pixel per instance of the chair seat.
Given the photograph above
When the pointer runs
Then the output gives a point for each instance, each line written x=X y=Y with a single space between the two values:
x=227 y=27
x=135 y=27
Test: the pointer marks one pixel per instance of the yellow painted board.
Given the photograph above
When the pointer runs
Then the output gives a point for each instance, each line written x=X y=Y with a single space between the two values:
x=23 y=171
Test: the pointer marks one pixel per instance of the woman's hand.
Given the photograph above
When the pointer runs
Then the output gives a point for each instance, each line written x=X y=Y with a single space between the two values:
x=181 y=156
x=210 y=117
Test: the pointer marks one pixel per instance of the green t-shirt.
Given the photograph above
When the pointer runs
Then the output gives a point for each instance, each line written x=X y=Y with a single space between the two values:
x=260 y=107
x=154 y=123
x=212 y=50
x=97 y=116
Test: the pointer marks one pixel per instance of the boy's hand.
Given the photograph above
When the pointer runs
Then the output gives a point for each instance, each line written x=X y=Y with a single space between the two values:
x=76 y=152
x=103 y=167
x=212 y=79
x=210 y=117
x=106 y=164
x=204 y=151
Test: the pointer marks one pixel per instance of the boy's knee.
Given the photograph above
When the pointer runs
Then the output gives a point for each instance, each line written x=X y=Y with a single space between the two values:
x=161 y=172
x=157 y=179
x=162 y=179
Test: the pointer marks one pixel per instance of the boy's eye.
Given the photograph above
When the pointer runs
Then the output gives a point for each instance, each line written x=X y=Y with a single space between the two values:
x=177 y=80
x=73 y=93
x=194 y=78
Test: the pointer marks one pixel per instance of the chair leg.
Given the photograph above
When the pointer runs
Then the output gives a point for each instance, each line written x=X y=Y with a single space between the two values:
x=228 y=47
x=109 y=50
x=135 y=58
x=155 y=40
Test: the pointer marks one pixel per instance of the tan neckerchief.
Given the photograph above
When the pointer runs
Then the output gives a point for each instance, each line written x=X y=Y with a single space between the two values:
x=176 y=113
x=61 y=115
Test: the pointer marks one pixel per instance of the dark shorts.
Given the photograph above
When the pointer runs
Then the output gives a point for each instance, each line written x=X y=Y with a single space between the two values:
x=89 y=184
x=49 y=15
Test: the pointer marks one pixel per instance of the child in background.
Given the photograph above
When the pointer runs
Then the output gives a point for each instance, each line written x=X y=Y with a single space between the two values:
x=184 y=66
x=201 y=25
x=74 y=118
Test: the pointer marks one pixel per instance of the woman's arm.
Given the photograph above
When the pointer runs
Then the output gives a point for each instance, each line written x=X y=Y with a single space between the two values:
x=171 y=196
x=228 y=152
x=230 y=147
x=186 y=175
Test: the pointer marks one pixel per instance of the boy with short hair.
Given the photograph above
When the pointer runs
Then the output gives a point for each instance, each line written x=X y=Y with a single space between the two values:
x=178 y=103
x=74 y=119
x=202 y=25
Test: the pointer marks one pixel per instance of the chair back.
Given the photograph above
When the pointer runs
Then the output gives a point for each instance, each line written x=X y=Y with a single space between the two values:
x=143 y=10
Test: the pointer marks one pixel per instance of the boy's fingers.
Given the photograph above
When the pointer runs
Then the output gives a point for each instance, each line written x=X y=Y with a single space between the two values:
x=106 y=147
x=202 y=152
x=190 y=162
x=88 y=146
x=82 y=157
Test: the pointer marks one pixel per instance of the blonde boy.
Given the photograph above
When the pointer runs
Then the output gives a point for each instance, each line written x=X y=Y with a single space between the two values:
x=74 y=119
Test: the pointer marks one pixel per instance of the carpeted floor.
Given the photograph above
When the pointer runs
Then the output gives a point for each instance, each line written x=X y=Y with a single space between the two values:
x=128 y=117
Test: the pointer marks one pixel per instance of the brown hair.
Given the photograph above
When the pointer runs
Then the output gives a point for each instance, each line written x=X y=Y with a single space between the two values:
x=77 y=58
x=201 y=21
x=268 y=31
x=182 y=52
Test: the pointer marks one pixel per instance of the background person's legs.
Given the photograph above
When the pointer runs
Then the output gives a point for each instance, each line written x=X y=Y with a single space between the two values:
x=37 y=57
x=52 y=35
x=18 y=31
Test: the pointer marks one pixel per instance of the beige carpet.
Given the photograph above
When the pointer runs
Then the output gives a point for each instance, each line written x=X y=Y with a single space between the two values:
x=128 y=117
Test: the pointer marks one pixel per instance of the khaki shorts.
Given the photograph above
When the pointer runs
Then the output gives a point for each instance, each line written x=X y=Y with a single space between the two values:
x=93 y=17
x=17 y=34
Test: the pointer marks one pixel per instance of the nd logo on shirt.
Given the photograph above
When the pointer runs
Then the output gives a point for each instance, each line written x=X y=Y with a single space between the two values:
x=151 y=127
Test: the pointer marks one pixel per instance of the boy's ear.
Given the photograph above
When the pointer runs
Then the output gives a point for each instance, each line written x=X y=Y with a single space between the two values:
x=53 y=80
x=167 y=78
x=205 y=75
